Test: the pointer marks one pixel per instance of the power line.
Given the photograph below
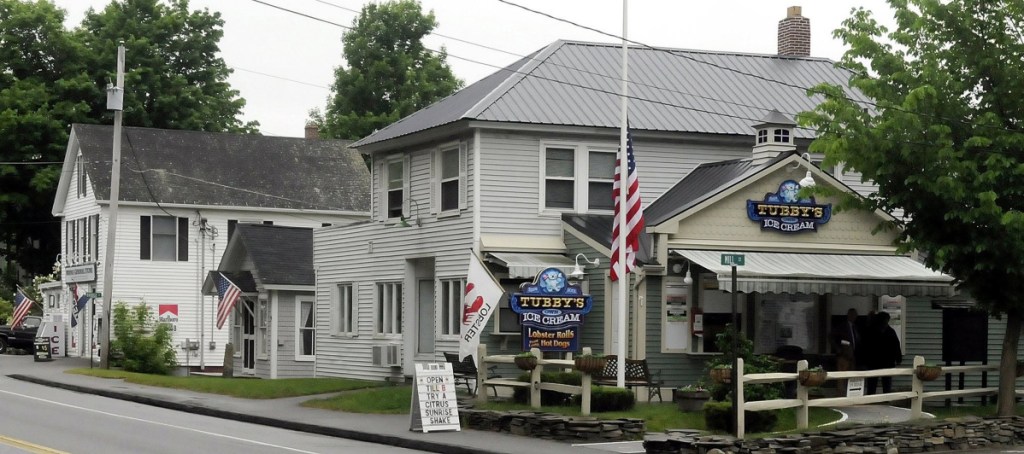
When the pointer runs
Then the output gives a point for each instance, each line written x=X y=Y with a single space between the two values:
x=279 y=77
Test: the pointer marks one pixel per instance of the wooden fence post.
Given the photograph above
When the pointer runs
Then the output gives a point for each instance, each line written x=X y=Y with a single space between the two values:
x=585 y=392
x=917 y=386
x=481 y=374
x=801 y=393
x=535 y=378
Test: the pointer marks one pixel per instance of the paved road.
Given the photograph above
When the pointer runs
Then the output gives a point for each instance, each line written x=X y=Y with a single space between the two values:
x=65 y=421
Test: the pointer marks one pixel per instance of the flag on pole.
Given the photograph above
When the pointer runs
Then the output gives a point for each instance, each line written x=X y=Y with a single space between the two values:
x=22 y=304
x=480 y=300
x=634 y=214
x=228 y=293
x=80 y=300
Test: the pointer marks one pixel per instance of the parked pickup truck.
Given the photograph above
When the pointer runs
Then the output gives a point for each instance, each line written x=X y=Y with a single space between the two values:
x=23 y=337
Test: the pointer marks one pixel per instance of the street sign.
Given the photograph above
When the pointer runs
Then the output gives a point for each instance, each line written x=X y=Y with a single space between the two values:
x=95 y=295
x=733 y=259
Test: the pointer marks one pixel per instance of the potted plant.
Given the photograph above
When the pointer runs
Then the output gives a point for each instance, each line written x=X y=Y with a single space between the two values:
x=721 y=373
x=525 y=361
x=928 y=372
x=691 y=398
x=814 y=376
x=590 y=364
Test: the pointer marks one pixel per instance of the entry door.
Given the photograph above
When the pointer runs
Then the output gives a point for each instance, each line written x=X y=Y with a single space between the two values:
x=248 y=336
x=425 y=317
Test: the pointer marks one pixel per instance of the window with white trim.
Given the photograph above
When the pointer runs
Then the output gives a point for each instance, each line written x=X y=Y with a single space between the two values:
x=448 y=176
x=163 y=238
x=781 y=135
x=762 y=136
x=452 y=291
x=80 y=169
x=263 y=322
x=578 y=178
x=236 y=329
x=345 y=312
x=395 y=195
x=388 y=317
x=305 y=334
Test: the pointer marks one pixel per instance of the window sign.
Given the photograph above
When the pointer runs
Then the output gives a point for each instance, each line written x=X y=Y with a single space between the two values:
x=551 y=310
x=784 y=211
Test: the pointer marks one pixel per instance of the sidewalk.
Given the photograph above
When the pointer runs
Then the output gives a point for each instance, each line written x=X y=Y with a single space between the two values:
x=286 y=413
x=392 y=430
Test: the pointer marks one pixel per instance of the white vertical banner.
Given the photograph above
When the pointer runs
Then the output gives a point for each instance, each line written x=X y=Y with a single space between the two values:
x=479 y=302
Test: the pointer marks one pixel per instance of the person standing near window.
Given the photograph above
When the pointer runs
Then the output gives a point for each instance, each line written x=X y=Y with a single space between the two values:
x=883 y=351
x=845 y=345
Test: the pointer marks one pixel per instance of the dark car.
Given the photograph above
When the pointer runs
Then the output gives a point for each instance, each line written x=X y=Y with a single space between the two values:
x=23 y=337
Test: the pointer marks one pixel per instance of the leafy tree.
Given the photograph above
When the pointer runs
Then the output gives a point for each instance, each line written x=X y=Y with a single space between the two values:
x=389 y=74
x=44 y=87
x=943 y=142
x=174 y=78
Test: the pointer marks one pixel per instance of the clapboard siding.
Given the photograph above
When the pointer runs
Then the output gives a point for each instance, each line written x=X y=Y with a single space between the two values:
x=287 y=336
x=593 y=324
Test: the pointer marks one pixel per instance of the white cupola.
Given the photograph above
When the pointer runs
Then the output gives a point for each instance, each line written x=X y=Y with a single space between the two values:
x=774 y=136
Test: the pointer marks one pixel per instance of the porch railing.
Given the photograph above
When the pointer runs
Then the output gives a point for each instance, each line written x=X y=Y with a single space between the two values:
x=535 y=384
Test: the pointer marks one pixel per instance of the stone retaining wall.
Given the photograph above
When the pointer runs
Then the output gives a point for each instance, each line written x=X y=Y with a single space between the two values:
x=552 y=426
x=947 y=435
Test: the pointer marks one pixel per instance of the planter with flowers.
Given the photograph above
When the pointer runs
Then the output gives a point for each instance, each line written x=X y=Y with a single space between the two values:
x=691 y=398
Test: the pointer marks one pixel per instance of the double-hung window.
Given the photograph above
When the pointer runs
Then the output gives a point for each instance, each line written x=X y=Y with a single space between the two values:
x=448 y=174
x=305 y=335
x=451 y=305
x=395 y=188
x=163 y=238
x=80 y=170
x=388 y=319
x=578 y=178
x=345 y=312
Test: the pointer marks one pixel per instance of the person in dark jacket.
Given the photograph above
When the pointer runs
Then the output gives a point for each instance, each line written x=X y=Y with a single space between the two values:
x=882 y=351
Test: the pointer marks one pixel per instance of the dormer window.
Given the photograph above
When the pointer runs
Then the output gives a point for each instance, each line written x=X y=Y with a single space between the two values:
x=781 y=135
x=762 y=136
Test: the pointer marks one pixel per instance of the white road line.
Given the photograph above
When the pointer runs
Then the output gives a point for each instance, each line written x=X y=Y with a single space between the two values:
x=214 y=434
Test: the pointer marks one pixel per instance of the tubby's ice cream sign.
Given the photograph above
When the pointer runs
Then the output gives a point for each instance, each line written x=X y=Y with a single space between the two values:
x=785 y=211
x=551 y=312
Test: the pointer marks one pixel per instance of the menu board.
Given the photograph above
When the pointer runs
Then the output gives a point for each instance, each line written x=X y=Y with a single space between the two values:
x=783 y=322
x=433 y=404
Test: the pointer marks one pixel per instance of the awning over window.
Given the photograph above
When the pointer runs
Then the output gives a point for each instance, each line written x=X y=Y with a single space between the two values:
x=523 y=265
x=770 y=272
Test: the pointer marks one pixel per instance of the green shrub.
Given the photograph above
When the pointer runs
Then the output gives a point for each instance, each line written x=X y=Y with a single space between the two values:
x=140 y=344
x=547 y=397
x=752 y=364
x=718 y=416
x=608 y=398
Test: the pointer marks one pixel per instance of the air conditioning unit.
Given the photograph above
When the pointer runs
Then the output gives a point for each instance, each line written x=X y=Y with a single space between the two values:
x=387 y=355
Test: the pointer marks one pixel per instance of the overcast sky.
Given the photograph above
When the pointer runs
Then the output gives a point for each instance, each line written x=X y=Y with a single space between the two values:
x=283 y=63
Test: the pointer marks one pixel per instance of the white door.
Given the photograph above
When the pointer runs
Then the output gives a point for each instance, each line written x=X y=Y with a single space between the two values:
x=425 y=317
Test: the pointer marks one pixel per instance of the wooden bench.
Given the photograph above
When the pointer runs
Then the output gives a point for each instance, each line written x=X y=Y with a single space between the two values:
x=465 y=372
x=637 y=374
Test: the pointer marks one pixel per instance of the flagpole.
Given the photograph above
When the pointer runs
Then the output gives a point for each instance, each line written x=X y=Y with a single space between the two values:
x=620 y=317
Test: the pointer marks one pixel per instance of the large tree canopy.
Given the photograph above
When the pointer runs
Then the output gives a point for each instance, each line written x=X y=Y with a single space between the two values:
x=389 y=73
x=174 y=77
x=51 y=77
x=944 y=141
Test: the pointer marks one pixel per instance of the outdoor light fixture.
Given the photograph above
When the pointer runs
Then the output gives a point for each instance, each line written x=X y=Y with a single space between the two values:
x=808 y=181
x=577 y=271
x=678 y=267
x=403 y=220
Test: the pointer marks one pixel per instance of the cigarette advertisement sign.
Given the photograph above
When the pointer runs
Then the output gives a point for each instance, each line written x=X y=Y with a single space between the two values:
x=551 y=311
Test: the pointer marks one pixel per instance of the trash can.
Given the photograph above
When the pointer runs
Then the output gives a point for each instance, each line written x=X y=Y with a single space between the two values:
x=41 y=352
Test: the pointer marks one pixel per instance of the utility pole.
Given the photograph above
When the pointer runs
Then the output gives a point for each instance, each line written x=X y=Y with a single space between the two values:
x=115 y=102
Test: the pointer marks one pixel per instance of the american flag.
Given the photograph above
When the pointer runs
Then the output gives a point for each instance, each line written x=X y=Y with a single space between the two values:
x=634 y=214
x=22 y=304
x=228 y=293
x=80 y=300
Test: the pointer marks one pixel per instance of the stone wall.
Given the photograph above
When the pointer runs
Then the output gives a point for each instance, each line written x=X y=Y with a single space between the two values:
x=947 y=435
x=552 y=426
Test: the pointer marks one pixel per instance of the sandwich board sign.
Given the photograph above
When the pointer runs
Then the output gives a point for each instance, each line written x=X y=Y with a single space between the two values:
x=433 y=404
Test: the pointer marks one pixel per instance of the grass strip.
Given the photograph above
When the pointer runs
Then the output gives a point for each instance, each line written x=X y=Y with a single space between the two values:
x=391 y=400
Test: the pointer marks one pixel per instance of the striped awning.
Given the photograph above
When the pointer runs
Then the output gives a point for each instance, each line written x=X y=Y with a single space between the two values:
x=522 y=265
x=840 y=274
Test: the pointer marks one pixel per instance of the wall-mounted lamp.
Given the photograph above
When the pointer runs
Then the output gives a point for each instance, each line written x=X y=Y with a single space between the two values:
x=403 y=221
x=808 y=180
x=678 y=267
x=577 y=271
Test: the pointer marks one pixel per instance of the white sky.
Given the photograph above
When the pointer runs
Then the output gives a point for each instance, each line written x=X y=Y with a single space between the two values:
x=283 y=63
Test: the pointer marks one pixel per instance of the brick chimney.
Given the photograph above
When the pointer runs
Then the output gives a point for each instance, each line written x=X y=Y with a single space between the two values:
x=794 y=34
x=312 y=131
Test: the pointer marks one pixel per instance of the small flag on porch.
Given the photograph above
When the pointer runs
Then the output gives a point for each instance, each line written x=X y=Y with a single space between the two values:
x=22 y=304
x=480 y=300
x=228 y=293
x=634 y=214
x=80 y=300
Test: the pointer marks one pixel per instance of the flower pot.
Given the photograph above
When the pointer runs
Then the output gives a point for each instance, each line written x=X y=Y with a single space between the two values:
x=590 y=364
x=812 y=377
x=526 y=362
x=928 y=373
x=721 y=374
x=691 y=401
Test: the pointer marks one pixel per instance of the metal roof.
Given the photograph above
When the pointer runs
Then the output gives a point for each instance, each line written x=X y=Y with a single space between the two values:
x=598 y=227
x=577 y=84
x=704 y=181
x=226 y=169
